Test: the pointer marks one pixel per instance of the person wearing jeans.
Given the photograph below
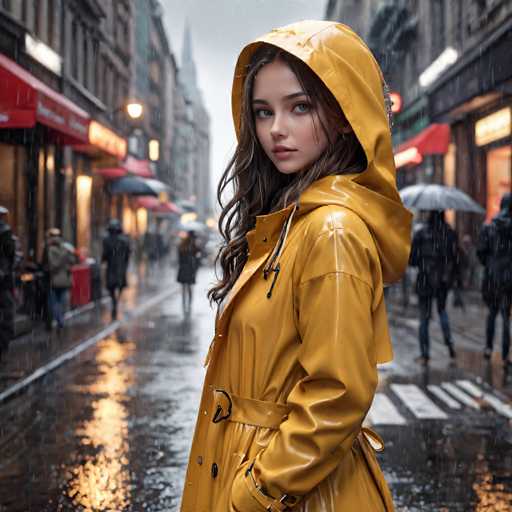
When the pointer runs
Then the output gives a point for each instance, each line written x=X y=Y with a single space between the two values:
x=57 y=301
x=435 y=251
x=60 y=260
x=494 y=250
x=425 y=307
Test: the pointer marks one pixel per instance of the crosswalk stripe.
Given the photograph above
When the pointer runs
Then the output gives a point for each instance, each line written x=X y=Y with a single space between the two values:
x=384 y=412
x=495 y=403
x=460 y=395
x=471 y=388
x=418 y=402
x=443 y=396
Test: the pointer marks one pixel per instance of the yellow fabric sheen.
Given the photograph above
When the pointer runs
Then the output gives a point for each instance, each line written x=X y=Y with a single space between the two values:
x=315 y=344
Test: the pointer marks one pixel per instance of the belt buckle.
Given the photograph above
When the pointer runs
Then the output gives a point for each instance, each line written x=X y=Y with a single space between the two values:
x=218 y=417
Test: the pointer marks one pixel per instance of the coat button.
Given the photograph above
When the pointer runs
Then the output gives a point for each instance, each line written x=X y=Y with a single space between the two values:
x=265 y=239
x=215 y=470
x=200 y=460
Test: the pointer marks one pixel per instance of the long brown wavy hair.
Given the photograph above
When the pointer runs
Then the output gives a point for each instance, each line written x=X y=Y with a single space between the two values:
x=258 y=187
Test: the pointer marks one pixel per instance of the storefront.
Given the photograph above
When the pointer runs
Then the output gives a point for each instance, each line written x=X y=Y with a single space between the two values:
x=94 y=204
x=421 y=158
x=493 y=140
x=36 y=125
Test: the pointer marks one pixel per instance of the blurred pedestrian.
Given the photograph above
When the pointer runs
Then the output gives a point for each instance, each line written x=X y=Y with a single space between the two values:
x=435 y=252
x=495 y=252
x=189 y=255
x=116 y=254
x=61 y=257
x=7 y=303
x=471 y=273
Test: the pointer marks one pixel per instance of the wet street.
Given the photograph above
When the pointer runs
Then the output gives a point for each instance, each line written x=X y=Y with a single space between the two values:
x=110 y=429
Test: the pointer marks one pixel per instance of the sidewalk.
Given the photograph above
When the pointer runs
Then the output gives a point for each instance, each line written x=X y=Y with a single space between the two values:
x=29 y=352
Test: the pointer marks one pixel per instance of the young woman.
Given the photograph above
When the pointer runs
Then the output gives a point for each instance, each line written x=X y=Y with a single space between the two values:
x=313 y=230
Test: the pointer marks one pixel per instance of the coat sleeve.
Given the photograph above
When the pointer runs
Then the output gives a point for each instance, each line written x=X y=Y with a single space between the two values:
x=337 y=354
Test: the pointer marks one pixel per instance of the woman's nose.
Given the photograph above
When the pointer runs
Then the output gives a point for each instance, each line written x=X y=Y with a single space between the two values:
x=278 y=129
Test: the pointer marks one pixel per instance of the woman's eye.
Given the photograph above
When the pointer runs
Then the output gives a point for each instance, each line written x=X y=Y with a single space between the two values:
x=262 y=113
x=302 y=108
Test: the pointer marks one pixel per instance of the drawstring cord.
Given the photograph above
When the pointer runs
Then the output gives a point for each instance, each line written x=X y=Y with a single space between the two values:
x=277 y=251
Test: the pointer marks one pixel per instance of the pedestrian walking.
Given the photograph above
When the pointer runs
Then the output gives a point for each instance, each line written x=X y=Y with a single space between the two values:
x=116 y=254
x=7 y=303
x=494 y=251
x=314 y=228
x=188 y=263
x=435 y=251
x=61 y=257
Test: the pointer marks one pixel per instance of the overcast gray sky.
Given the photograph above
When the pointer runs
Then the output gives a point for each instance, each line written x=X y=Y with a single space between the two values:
x=220 y=28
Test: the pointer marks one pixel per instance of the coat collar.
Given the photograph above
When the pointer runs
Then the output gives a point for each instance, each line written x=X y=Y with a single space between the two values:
x=262 y=241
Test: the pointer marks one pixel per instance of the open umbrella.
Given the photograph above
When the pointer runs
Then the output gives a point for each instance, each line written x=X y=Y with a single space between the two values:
x=191 y=226
x=438 y=197
x=137 y=186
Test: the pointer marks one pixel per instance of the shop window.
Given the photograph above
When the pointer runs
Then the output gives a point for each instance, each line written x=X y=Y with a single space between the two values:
x=83 y=213
x=499 y=163
x=7 y=183
x=449 y=178
x=37 y=17
x=51 y=22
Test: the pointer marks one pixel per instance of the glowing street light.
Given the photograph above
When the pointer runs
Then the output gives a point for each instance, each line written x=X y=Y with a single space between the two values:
x=134 y=109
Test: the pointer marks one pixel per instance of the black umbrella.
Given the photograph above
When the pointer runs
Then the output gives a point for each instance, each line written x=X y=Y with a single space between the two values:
x=137 y=186
x=438 y=197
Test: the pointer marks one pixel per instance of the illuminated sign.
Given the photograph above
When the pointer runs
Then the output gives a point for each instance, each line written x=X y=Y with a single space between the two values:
x=438 y=67
x=493 y=127
x=43 y=54
x=396 y=102
x=408 y=156
x=105 y=139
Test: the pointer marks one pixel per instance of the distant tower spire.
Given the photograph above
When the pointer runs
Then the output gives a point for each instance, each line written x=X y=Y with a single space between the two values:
x=188 y=70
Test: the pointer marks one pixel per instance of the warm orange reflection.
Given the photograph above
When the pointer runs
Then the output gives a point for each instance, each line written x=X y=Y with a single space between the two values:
x=102 y=480
x=492 y=497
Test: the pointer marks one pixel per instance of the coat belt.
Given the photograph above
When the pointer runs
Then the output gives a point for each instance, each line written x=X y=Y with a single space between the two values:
x=260 y=413
x=249 y=411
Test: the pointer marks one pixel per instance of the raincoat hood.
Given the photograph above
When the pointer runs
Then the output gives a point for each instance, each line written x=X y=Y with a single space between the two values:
x=346 y=66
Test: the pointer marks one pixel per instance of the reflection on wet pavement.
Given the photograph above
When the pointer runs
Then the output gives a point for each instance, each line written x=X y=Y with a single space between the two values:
x=111 y=430
x=100 y=480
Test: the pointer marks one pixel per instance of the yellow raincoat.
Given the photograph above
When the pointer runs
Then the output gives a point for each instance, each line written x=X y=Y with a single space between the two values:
x=292 y=367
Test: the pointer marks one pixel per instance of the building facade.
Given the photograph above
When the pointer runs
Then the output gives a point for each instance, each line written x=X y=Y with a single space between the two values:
x=451 y=64
x=66 y=66
x=192 y=140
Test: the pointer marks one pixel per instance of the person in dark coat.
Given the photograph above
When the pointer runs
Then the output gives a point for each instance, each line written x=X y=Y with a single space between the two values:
x=188 y=263
x=116 y=254
x=435 y=252
x=7 y=304
x=494 y=250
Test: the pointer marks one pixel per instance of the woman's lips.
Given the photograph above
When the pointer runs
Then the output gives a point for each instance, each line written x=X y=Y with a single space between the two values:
x=283 y=153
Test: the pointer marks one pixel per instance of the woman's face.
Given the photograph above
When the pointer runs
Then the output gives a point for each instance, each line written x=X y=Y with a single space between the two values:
x=287 y=125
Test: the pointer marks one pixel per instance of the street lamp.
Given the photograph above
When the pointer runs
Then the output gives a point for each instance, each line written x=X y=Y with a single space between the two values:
x=134 y=109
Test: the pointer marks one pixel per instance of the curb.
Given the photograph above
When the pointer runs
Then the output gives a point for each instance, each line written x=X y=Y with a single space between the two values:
x=83 y=345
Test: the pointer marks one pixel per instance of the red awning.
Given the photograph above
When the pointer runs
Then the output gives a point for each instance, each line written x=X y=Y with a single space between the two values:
x=138 y=167
x=111 y=173
x=25 y=101
x=131 y=165
x=433 y=140
x=153 y=204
